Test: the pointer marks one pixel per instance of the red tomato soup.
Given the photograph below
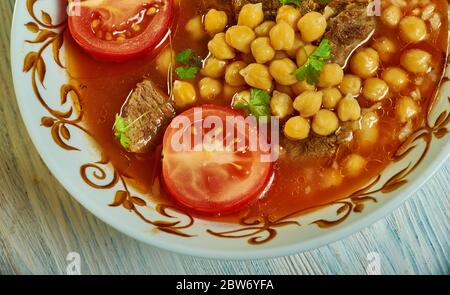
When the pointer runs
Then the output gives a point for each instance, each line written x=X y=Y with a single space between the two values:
x=378 y=97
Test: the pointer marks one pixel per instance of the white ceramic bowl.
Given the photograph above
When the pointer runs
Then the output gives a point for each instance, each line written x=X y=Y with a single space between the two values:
x=67 y=151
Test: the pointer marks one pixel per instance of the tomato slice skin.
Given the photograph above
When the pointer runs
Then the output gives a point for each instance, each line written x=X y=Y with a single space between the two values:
x=119 y=51
x=229 y=189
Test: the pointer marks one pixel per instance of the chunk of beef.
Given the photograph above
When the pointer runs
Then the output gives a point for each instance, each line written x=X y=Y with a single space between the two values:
x=349 y=28
x=148 y=111
x=314 y=147
x=309 y=5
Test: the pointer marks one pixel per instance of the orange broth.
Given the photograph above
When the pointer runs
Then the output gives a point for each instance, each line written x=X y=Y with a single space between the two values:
x=298 y=184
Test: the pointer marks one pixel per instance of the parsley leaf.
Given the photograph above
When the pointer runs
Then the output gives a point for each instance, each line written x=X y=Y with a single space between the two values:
x=184 y=56
x=310 y=71
x=120 y=128
x=287 y=2
x=258 y=105
x=191 y=61
x=186 y=72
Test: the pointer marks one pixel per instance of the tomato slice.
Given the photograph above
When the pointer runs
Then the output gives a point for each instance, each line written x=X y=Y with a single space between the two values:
x=206 y=177
x=117 y=30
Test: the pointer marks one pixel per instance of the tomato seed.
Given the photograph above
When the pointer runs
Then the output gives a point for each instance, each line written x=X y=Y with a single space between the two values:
x=152 y=11
x=95 y=23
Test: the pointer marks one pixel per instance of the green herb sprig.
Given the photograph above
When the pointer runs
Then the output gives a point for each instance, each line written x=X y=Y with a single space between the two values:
x=120 y=128
x=258 y=105
x=191 y=64
x=294 y=2
x=310 y=71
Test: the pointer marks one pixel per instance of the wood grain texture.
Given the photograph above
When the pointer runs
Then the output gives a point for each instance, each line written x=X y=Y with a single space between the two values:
x=40 y=223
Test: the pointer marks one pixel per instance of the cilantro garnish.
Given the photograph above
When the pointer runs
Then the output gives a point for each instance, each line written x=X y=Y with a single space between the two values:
x=186 y=72
x=287 y=2
x=310 y=71
x=120 y=128
x=184 y=56
x=258 y=105
x=191 y=61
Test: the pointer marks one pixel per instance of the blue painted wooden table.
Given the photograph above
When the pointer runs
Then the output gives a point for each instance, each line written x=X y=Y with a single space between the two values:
x=40 y=223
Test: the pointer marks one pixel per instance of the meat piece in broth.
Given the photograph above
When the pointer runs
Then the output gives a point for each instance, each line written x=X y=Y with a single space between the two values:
x=315 y=147
x=349 y=28
x=148 y=111
x=309 y=5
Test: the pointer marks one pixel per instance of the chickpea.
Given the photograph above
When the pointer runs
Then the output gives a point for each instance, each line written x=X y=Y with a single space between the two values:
x=289 y=14
x=215 y=21
x=219 y=47
x=385 y=47
x=413 y=29
x=332 y=177
x=240 y=38
x=298 y=43
x=375 y=89
x=351 y=84
x=282 y=71
x=308 y=103
x=349 y=109
x=302 y=86
x=325 y=123
x=214 y=68
x=184 y=94
x=262 y=50
x=416 y=61
x=365 y=63
x=281 y=105
x=209 y=88
x=304 y=53
x=406 y=109
x=165 y=60
x=396 y=78
x=392 y=15
x=297 y=128
x=331 y=97
x=195 y=28
x=331 y=75
x=263 y=29
x=282 y=36
x=232 y=75
x=354 y=165
x=258 y=76
x=369 y=120
x=242 y=97
x=369 y=132
x=229 y=91
x=251 y=15
x=312 y=26
x=284 y=89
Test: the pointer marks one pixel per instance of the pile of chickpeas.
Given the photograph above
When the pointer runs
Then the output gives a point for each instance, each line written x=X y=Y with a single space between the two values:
x=261 y=54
